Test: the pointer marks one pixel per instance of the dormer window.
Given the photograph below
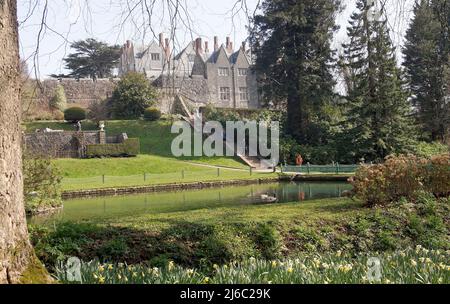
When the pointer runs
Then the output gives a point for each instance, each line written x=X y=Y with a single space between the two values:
x=224 y=72
x=156 y=57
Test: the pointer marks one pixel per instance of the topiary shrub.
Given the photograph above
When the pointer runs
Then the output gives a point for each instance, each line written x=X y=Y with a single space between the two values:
x=152 y=114
x=75 y=114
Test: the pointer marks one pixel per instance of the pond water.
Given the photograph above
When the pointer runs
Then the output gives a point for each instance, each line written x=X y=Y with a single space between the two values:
x=103 y=208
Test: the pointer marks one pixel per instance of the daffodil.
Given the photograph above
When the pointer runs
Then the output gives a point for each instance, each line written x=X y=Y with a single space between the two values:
x=206 y=280
x=414 y=263
x=290 y=270
x=101 y=268
x=101 y=279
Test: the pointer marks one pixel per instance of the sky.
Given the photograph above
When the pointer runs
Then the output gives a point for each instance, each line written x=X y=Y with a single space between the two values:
x=71 y=20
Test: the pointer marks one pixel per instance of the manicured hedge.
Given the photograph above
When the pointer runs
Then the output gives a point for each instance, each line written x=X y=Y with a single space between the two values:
x=152 y=114
x=75 y=114
x=130 y=147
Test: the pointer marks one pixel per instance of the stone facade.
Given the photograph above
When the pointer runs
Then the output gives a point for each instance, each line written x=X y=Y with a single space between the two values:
x=221 y=77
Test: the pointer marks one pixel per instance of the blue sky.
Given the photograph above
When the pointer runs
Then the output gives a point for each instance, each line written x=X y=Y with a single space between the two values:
x=71 y=20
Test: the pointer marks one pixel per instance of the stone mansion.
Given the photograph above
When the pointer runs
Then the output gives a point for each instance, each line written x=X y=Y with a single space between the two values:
x=221 y=75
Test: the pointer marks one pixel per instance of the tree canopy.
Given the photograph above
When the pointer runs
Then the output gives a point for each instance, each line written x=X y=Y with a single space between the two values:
x=292 y=46
x=92 y=59
x=427 y=63
x=379 y=121
x=133 y=95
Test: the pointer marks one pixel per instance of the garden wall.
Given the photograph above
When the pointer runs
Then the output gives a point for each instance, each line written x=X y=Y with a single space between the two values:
x=60 y=144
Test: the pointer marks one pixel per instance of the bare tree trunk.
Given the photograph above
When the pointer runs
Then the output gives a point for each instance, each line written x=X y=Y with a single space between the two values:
x=16 y=253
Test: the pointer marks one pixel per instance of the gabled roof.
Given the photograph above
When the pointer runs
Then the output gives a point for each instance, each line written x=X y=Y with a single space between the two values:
x=235 y=56
x=215 y=55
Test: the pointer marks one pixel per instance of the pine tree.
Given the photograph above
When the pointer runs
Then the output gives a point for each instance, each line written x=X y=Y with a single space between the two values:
x=379 y=121
x=292 y=47
x=427 y=61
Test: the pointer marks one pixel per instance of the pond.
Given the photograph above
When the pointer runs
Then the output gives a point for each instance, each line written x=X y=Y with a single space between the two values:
x=103 y=208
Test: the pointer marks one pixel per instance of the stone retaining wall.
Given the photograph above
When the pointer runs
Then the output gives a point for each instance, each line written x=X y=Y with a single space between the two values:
x=163 y=188
x=60 y=144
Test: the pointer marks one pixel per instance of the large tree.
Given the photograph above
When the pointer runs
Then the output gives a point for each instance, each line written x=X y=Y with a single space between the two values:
x=93 y=59
x=16 y=253
x=292 y=46
x=379 y=120
x=427 y=62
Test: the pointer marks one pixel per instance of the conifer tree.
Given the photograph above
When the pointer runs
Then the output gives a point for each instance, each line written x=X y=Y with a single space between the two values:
x=292 y=47
x=427 y=62
x=379 y=121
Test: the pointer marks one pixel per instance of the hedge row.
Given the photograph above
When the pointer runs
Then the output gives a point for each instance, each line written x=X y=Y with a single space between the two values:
x=130 y=147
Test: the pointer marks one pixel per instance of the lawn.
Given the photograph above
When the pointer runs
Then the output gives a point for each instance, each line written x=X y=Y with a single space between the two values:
x=155 y=165
x=155 y=137
x=218 y=234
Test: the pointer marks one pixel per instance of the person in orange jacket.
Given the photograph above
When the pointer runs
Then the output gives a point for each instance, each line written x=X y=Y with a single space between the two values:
x=299 y=160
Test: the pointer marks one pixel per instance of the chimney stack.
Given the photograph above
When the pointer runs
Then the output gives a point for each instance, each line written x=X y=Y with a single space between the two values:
x=161 y=40
x=231 y=47
x=244 y=46
x=206 y=47
x=216 y=43
x=167 y=49
x=228 y=43
x=128 y=44
x=198 y=46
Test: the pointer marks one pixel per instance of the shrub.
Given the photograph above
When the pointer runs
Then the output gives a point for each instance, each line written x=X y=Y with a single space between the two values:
x=437 y=175
x=133 y=95
x=99 y=111
x=42 y=184
x=428 y=150
x=58 y=115
x=402 y=176
x=59 y=100
x=152 y=114
x=130 y=147
x=75 y=114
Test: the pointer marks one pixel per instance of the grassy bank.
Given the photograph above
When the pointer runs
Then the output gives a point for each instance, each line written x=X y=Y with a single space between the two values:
x=155 y=165
x=81 y=174
x=203 y=237
x=155 y=137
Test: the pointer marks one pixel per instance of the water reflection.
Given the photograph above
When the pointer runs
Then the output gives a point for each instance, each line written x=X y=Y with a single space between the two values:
x=152 y=203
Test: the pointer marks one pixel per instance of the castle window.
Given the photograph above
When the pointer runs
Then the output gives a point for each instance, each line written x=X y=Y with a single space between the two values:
x=224 y=94
x=156 y=57
x=243 y=94
x=224 y=72
x=242 y=72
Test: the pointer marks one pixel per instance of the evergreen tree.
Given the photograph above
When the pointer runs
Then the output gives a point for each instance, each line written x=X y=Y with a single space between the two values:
x=427 y=62
x=292 y=47
x=133 y=95
x=93 y=59
x=379 y=121
x=59 y=100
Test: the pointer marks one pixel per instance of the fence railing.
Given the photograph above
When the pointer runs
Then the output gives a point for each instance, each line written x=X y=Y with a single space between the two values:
x=311 y=169
x=181 y=176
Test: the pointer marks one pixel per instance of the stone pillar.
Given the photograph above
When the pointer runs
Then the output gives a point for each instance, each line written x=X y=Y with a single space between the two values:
x=102 y=137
